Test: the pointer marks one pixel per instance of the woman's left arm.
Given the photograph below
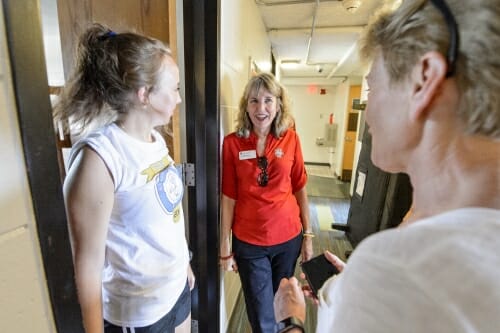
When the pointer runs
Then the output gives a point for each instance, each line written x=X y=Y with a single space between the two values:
x=307 y=248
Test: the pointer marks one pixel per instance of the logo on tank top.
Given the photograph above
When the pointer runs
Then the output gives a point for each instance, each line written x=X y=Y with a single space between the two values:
x=170 y=189
x=169 y=186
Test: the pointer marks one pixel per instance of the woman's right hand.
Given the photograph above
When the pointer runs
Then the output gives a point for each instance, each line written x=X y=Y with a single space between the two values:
x=229 y=264
x=334 y=260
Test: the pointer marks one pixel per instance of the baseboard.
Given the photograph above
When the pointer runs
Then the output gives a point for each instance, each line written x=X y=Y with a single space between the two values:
x=317 y=163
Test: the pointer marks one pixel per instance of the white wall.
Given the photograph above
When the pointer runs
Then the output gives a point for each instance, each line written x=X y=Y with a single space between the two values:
x=24 y=300
x=243 y=38
x=340 y=107
x=311 y=111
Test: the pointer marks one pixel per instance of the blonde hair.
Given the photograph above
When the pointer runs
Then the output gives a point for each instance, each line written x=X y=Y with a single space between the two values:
x=416 y=27
x=110 y=69
x=282 y=121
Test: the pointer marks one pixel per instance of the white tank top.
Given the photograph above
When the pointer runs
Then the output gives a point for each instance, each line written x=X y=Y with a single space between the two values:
x=146 y=258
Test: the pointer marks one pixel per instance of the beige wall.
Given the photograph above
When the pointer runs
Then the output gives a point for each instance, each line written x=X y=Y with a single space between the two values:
x=24 y=300
x=243 y=39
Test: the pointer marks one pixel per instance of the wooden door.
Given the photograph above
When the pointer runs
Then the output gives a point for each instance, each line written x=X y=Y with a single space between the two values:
x=148 y=17
x=350 y=134
x=155 y=18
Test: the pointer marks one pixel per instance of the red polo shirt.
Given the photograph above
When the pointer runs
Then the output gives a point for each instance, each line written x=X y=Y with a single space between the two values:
x=266 y=215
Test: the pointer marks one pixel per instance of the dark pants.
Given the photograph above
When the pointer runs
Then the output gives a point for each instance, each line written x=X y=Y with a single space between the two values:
x=166 y=324
x=261 y=269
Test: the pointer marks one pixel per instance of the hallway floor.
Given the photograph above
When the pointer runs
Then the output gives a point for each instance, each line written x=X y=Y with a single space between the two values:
x=327 y=204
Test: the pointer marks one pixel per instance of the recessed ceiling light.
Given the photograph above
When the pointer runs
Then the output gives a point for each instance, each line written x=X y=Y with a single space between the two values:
x=351 y=5
x=290 y=63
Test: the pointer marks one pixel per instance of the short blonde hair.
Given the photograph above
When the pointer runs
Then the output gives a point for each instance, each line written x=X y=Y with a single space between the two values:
x=416 y=27
x=283 y=119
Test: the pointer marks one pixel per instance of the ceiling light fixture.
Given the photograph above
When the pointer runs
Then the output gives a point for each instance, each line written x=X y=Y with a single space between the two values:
x=290 y=64
x=351 y=5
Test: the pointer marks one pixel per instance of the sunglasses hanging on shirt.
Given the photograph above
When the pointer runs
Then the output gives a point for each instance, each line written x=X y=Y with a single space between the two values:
x=263 y=177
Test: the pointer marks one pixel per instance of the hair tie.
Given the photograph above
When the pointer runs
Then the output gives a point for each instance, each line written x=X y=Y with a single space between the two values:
x=107 y=35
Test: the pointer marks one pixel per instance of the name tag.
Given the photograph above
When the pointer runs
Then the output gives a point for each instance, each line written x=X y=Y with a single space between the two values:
x=248 y=154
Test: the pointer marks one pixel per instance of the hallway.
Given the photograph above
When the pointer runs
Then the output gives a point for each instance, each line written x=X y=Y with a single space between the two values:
x=328 y=202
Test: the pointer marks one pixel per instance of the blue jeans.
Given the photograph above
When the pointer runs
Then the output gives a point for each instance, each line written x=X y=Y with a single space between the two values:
x=166 y=324
x=261 y=269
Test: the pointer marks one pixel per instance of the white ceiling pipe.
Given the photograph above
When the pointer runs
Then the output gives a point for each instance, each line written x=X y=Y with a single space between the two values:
x=351 y=53
x=333 y=29
x=289 y=2
x=308 y=52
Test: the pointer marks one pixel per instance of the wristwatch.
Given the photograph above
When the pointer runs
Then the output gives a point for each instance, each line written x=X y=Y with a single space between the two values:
x=290 y=323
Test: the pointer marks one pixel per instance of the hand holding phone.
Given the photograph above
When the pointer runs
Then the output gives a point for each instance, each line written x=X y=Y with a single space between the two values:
x=317 y=271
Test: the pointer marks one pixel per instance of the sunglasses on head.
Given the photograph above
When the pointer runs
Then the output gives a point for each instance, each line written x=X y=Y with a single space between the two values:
x=452 y=53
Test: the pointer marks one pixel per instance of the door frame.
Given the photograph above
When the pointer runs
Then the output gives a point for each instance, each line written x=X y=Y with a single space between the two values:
x=30 y=85
x=201 y=62
x=31 y=93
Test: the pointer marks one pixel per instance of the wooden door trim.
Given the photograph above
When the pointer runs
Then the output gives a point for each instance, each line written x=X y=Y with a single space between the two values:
x=354 y=92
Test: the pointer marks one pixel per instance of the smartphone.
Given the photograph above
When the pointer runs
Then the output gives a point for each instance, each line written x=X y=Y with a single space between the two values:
x=317 y=271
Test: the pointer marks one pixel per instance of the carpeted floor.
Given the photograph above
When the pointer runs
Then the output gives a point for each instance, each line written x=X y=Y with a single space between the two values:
x=320 y=170
x=327 y=187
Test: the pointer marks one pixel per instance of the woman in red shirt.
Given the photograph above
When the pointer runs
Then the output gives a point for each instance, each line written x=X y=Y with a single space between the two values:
x=264 y=199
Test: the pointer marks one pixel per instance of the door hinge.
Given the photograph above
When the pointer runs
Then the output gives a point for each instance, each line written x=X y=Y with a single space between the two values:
x=187 y=171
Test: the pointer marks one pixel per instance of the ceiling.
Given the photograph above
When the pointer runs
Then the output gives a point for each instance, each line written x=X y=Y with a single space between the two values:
x=316 y=37
x=314 y=41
